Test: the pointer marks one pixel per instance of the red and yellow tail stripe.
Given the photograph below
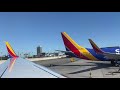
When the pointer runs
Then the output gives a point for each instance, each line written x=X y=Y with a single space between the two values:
x=95 y=47
x=75 y=48
x=10 y=50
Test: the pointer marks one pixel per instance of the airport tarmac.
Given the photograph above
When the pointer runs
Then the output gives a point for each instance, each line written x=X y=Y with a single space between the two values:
x=81 y=68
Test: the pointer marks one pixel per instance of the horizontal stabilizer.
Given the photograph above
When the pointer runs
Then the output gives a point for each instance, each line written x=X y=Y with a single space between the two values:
x=64 y=51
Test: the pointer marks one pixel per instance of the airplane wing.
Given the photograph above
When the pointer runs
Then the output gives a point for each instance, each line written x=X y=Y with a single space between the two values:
x=16 y=67
x=22 y=68
x=106 y=54
x=111 y=55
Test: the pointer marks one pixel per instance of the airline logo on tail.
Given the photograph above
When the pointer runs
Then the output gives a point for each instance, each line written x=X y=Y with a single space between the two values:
x=11 y=52
x=78 y=50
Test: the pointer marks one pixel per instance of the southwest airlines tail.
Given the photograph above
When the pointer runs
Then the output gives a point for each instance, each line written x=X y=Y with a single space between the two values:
x=77 y=50
x=11 y=52
x=95 y=47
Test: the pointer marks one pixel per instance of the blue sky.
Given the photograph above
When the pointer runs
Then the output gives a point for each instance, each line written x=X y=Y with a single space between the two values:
x=27 y=30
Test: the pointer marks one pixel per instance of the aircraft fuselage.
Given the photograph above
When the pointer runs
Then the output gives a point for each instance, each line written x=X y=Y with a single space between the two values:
x=89 y=51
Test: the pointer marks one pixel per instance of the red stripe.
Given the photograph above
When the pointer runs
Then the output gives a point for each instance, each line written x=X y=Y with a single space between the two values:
x=96 y=49
x=11 y=52
x=71 y=47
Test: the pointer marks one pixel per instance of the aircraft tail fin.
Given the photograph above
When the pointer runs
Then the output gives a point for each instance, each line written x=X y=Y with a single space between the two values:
x=11 y=52
x=76 y=49
x=72 y=46
x=68 y=42
x=95 y=47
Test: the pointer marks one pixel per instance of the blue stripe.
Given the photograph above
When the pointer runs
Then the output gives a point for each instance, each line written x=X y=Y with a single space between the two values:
x=106 y=49
x=98 y=56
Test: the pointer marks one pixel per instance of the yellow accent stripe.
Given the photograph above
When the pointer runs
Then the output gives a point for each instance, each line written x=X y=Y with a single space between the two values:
x=8 y=45
x=84 y=51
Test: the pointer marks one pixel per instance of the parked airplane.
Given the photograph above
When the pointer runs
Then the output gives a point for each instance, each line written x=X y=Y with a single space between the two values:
x=104 y=54
x=16 y=67
x=109 y=54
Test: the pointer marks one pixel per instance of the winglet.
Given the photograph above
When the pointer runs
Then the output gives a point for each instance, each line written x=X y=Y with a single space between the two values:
x=95 y=47
x=11 y=52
